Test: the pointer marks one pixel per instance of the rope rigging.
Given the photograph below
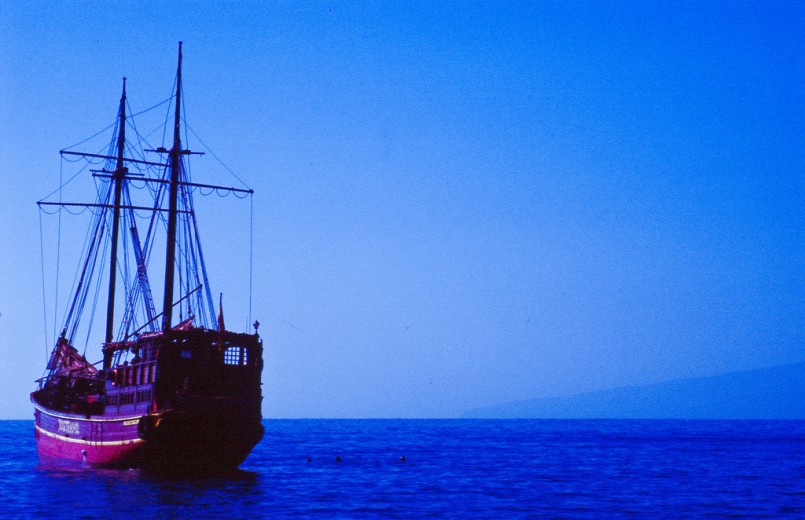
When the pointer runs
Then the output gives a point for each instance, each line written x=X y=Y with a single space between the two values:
x=143 y=180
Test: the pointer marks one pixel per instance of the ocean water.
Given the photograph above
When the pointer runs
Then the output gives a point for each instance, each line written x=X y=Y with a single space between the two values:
x=446 y=469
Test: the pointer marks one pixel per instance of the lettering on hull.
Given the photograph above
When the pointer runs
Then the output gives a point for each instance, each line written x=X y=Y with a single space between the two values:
x=68 y=427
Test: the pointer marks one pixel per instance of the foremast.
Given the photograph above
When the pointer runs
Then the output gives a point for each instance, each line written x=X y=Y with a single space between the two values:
x=118 y=177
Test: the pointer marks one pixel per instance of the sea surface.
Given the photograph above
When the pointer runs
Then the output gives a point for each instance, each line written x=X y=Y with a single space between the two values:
x=445 y=469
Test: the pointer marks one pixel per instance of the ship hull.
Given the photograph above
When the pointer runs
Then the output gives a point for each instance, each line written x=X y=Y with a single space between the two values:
x=187 y=442
x=169 y=441
x=75 y=440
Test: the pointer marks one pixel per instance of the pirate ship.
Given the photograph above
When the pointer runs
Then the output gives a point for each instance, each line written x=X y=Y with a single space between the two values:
x=173 y=390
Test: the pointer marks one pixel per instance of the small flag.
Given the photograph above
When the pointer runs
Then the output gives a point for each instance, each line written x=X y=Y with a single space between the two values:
x=221 y=312
x=221 y=345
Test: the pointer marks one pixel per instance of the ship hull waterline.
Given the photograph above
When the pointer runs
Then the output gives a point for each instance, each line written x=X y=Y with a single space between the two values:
x=166 y=442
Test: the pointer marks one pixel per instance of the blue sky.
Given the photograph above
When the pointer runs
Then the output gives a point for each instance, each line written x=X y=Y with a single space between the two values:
x=457 y=204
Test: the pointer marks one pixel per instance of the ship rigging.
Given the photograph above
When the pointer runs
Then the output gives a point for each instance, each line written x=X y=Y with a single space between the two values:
x=190 y=396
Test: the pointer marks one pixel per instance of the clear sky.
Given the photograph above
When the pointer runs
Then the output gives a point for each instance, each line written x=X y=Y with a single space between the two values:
x=457 y=204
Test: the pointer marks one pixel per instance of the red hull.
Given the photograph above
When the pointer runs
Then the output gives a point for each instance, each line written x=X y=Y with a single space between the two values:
x=57 y=450
x=66 y=439
x=175 y=441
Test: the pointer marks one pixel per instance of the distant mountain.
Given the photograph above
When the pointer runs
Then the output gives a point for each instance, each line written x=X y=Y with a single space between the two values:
x=766 y=393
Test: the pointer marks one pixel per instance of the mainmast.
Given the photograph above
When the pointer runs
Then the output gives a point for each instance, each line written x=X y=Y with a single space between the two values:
x=117 y=179
x=175 y=169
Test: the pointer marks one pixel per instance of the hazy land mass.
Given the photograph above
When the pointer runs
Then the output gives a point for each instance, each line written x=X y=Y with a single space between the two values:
x=767 y=393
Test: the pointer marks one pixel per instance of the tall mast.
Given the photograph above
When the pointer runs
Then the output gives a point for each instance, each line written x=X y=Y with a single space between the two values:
x=175 y=166
x=117 y=179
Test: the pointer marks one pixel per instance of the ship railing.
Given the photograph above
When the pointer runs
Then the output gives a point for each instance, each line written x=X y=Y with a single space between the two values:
x=135 y=374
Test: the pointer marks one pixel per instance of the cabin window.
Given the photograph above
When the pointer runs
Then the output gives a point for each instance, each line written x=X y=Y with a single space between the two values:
x=235 y=356
x=111 y=399
x=127 y=398
x=144 y=396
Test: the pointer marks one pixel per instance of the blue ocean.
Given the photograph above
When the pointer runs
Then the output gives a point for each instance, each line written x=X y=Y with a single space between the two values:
x=445 y=469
